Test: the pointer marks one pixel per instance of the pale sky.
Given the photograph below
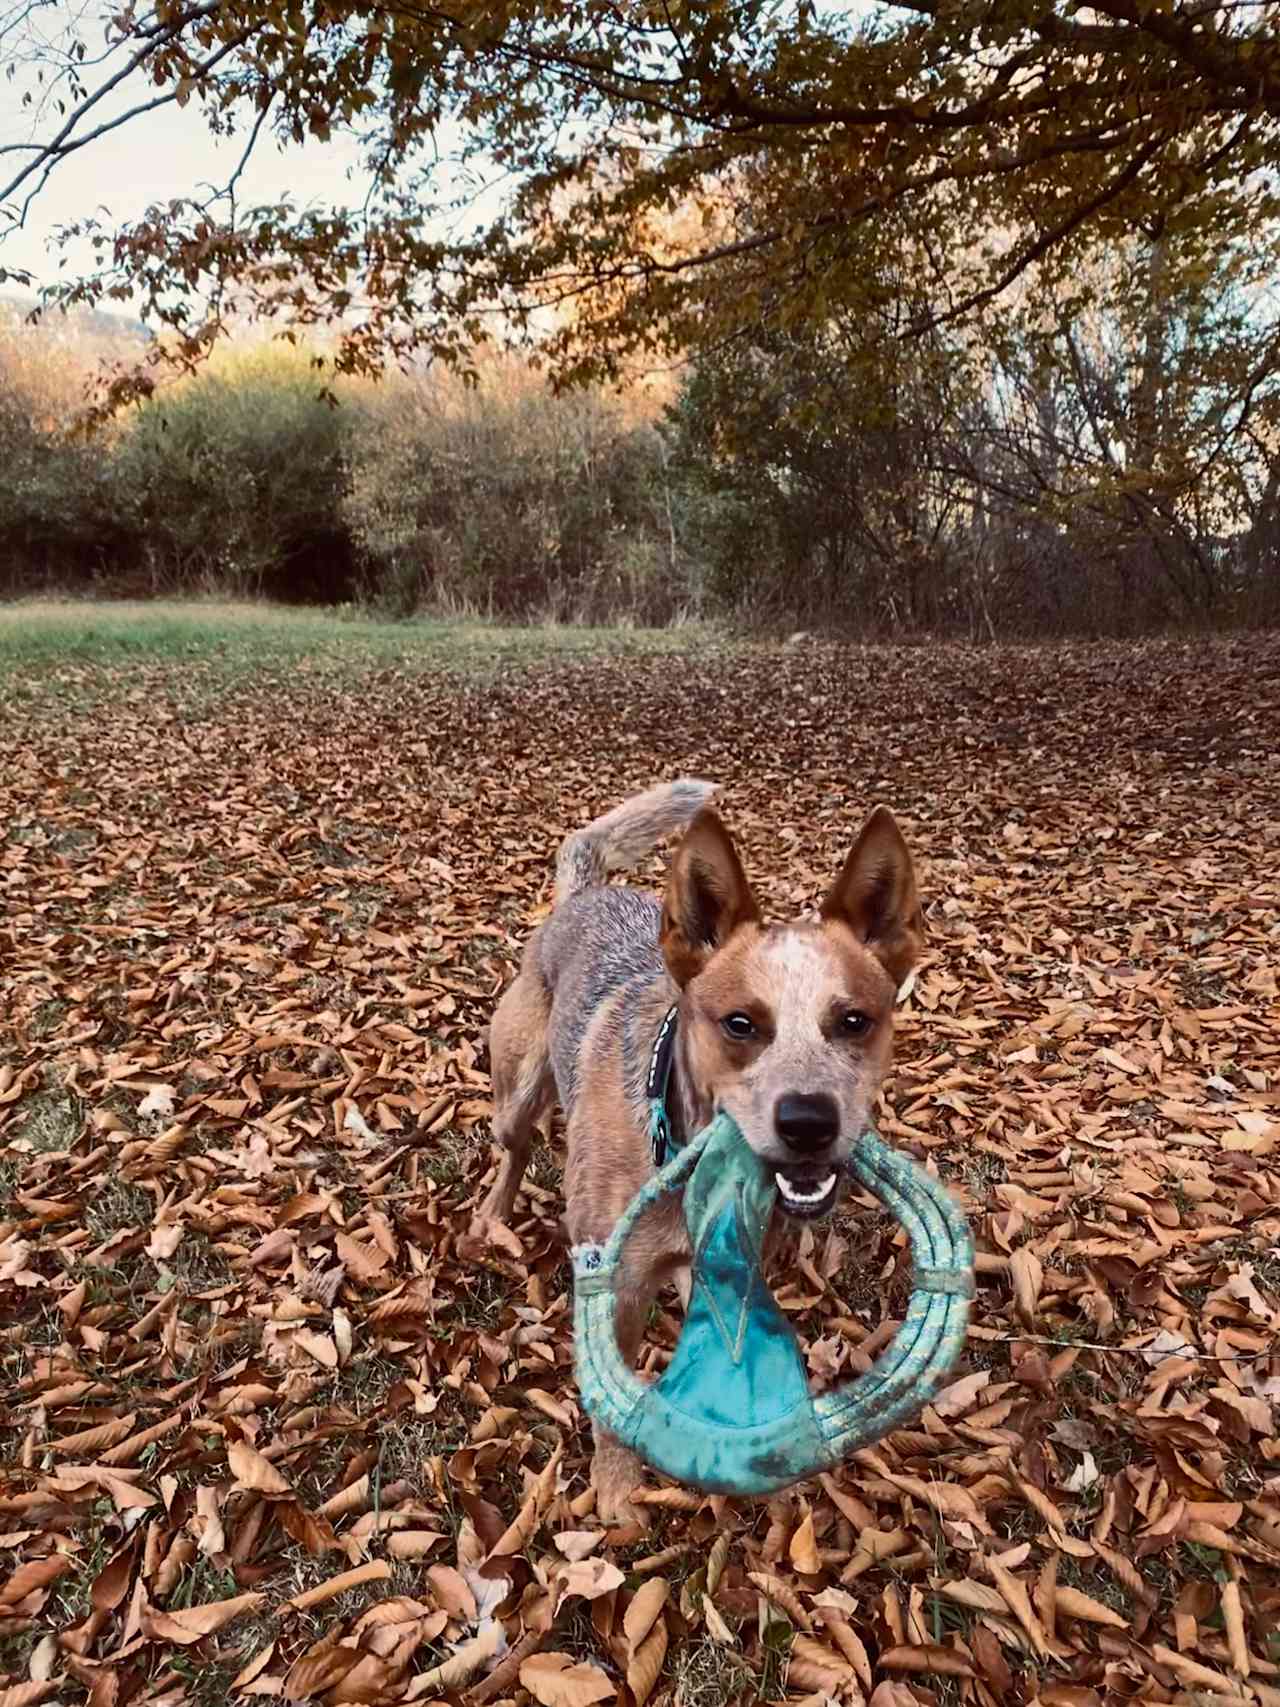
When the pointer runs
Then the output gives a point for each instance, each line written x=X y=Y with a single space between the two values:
x=159 y=156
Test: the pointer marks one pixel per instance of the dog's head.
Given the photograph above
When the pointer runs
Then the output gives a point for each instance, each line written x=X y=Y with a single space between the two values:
x=789 y=1028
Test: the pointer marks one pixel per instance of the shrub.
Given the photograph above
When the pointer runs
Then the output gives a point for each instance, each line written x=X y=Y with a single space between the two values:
x=505 y=500
x=58 y=518
x=233 y=481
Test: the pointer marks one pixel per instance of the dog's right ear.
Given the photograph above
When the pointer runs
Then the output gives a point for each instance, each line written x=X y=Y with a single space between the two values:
x=707 y=898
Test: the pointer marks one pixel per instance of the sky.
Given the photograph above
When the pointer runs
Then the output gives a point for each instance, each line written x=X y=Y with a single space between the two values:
x=160 y=155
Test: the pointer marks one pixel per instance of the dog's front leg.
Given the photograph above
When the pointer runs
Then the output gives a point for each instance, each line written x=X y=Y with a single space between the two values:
x=648 y=1264
x=616 y=1471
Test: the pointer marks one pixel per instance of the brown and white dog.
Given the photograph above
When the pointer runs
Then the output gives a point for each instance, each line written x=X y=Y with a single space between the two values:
x=786 y=1027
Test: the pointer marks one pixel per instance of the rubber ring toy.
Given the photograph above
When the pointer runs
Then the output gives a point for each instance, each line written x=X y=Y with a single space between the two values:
x=732 y=1412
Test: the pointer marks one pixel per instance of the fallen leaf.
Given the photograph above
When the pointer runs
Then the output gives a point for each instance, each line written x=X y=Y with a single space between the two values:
x=193 y=1623
x=555 y=1680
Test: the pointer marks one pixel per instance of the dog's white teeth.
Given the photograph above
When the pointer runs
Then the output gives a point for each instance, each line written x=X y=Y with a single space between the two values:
x=794 y=1194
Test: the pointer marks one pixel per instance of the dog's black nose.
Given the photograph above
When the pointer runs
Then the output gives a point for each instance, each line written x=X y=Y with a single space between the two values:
x=807 y=1122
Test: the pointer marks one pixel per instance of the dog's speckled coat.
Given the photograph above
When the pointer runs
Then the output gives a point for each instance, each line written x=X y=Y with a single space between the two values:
x=578 y=1023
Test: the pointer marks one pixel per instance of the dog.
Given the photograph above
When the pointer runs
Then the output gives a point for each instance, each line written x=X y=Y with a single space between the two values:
x=787 y=1027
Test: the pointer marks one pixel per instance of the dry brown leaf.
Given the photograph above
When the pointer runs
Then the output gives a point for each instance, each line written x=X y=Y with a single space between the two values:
x=319 y=1346
x=668 y=1499
x=576 y=1544
x=1018 y=1602
x=926 y=1657
x=252 y=1668
x=550 y=1406
x=554 y=1680
x=36 y=1574
x=375 y=1572
x=645 y=1610
x=717 y=1629
x=460 y=1667
x=645 y=1666
x=318 y=1670
x=518 y=1536
x=193 y=1623
x=451 y=1592
x=1077 y=1605
x=1027 y=1273
x=891 y=1694
x=589 y=1578
x=1233 y=1621
x=850 y=1645
x=716 y=1561
x=413 y=1543
x=803 y=1550
x=252 y=1471
x=960 y=1396
x=778 y=1594
x=28 y=1694
x=354 y=1497
x=43 y=1660
x=507 y=1672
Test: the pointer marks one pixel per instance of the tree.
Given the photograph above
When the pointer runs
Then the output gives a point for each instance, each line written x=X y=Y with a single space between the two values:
x=807 y=148
x=1111 y=467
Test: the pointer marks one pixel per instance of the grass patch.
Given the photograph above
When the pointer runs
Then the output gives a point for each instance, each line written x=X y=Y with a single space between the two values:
x=445 y=1158
x=117 y=1206
x=69 y=1600
x=709 y=1675
x=408 y=1442
x=478 y=1303
x=366 y=1381
x=207 y=1684
x=247 y=635
x=51 y=1121
x=8 y=1187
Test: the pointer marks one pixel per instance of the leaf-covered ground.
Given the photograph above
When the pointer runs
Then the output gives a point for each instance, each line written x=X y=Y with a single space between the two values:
x=267 y=1432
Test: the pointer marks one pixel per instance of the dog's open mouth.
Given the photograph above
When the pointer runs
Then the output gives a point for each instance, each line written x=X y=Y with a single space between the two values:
x=807 y=1193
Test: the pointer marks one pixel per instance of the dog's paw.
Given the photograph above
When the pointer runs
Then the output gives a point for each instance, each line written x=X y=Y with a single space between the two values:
x=617 y=1474
x=616 y=1510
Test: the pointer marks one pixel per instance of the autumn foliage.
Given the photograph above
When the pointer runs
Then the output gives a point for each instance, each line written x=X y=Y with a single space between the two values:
x=766 y=484
x=972 y=304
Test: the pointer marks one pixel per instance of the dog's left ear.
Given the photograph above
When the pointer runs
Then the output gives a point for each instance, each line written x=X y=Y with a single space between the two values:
x=875 y=895
x=707 y=898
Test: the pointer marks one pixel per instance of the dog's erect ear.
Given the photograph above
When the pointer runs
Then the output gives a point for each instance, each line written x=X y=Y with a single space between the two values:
x=707 y=898
x=875 y=895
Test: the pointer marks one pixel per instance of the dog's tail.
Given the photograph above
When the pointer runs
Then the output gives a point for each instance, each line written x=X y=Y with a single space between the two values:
x=621 y=838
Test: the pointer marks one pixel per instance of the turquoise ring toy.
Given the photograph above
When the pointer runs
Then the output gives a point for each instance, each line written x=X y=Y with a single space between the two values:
x=732 y=1412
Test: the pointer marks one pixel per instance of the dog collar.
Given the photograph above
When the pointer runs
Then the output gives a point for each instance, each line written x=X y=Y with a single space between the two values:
x=662 y=1128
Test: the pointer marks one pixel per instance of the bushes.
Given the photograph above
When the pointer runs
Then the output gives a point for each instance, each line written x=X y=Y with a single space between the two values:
x=781 y=490
x=58 y=517
x=253 y=479
x=229 y=482
x=504 y=500
x=233 y=482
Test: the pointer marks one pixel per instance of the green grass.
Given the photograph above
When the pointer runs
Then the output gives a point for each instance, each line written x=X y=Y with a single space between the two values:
x=252 y=635
x=51 y=1120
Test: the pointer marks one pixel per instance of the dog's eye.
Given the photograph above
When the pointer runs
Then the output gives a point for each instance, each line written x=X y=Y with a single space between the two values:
x=740 y=1027
x=855 y=1024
